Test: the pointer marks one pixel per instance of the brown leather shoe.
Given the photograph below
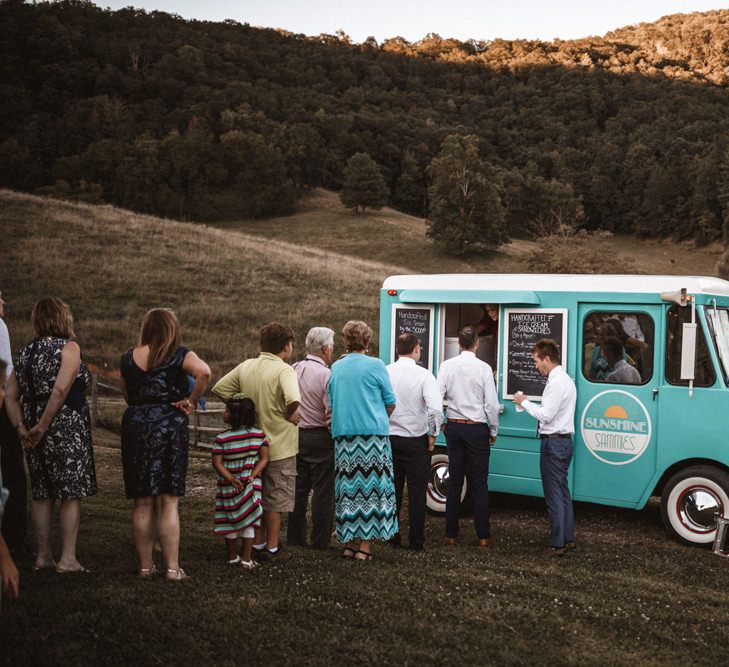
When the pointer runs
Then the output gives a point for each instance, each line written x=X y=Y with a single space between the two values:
x=485 y=542
x=451 y=541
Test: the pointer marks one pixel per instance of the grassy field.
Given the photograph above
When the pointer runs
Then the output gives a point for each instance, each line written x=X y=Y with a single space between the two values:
x=626 y=596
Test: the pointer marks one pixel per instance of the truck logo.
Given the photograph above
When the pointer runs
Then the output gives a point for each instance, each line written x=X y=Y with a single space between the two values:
x=615 y=426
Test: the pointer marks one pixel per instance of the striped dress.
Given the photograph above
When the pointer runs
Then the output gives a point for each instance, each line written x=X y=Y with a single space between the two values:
x=236 y=510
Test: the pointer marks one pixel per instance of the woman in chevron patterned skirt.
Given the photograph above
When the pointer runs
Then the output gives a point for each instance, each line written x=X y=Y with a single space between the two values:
x=362 y=399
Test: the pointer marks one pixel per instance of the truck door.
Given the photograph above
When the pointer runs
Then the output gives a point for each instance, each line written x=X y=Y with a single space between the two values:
x=617 y=402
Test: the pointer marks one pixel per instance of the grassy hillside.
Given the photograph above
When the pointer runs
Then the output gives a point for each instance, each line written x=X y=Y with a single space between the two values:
x=320 y=266
x=111 y=266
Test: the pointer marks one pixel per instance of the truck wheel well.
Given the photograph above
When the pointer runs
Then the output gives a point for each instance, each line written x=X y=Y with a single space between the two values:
x=680 y=465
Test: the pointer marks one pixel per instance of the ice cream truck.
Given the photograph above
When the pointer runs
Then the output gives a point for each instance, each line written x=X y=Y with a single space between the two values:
x=652 y=420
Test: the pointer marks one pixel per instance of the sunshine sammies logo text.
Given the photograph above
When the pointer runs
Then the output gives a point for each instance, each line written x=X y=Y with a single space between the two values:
x=615 y=427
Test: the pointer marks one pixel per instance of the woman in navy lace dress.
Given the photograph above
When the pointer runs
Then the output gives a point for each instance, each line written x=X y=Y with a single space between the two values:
x=54 y=428
x=154 y=434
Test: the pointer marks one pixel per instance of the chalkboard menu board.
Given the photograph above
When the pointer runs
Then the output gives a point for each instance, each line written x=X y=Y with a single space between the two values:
x=524 y=327
x=417 y=320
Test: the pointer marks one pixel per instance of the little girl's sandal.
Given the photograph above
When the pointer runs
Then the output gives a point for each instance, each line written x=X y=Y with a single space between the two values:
x=176 y=575
x=349 y=553
x=236 y=561
x=362 y=555
x=146 y=572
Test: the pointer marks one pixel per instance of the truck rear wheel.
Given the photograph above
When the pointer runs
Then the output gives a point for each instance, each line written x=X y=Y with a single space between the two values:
x=691 y=501
x=438 y=484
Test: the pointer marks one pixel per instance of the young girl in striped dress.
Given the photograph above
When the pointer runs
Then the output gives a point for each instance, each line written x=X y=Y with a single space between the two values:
x=239 y=456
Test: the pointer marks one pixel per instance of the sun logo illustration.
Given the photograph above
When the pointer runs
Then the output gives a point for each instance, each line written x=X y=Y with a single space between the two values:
x=616 y=412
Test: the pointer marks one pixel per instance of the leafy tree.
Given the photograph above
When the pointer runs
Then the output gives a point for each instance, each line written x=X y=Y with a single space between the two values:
x=409 y=194
x=364 y=184
x=465 y=206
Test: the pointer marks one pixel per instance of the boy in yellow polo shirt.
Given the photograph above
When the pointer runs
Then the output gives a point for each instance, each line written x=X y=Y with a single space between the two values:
x=272 y=385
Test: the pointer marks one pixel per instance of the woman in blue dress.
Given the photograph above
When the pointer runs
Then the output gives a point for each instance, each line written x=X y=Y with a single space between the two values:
x=362 y=400
x=155 y=436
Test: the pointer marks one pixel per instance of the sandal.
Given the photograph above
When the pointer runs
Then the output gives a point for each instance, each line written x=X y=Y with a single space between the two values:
x=362 y=555
x=146 y=572
x=235 y=561
x=248 y=564
x=176 y=575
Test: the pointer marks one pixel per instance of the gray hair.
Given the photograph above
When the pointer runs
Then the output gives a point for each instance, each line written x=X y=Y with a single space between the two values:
x=317 y=338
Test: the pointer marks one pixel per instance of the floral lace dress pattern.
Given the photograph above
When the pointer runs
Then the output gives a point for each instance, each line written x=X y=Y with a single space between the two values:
x=61 y=466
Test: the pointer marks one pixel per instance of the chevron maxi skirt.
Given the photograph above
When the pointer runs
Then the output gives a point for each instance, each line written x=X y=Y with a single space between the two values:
x=364 y=489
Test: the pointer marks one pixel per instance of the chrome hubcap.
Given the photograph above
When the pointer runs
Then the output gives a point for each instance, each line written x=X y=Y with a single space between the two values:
x=698 y=507
x=438 y=486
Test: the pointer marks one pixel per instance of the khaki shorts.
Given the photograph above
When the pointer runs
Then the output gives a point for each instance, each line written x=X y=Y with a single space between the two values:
x=279 y=485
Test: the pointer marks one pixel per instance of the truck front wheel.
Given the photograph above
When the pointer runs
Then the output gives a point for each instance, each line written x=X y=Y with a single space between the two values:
x=438 y=484
x=691 y=501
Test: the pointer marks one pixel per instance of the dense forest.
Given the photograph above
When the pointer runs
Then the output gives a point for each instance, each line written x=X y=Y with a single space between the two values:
x=198 y=120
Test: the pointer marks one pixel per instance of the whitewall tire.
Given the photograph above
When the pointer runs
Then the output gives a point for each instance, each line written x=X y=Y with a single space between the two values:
x=690 y=502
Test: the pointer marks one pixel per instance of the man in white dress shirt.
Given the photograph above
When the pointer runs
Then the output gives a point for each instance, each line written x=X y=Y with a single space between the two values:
x=467 y=384
x=414 y=424
x=556 y=416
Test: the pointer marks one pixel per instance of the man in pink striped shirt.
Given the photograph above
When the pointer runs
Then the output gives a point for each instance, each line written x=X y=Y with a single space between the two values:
x=315 y=461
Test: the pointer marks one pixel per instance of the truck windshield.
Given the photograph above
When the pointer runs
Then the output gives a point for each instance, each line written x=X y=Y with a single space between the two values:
x=718 y=319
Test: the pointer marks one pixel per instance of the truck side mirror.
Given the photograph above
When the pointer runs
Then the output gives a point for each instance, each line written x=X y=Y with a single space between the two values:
x=688 y=351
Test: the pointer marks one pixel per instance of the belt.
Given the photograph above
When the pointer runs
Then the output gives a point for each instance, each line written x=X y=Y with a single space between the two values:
x=466 y=421
x=561 y=436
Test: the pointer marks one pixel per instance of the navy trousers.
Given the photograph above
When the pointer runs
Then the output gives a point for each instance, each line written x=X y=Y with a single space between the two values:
x=469 y=449
x=411 y=463
x=554 y=462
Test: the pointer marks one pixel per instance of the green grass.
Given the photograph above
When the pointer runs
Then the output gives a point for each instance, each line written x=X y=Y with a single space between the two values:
x=626 y=596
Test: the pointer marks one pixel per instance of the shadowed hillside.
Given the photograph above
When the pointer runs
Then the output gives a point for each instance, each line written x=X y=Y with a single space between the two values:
x=213 y=121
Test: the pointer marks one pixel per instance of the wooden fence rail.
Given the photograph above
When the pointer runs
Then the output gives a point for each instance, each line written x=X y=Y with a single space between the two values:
x=197 y=430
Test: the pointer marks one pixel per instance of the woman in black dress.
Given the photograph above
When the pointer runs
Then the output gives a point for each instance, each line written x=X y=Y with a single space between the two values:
x=155 y=436
x=54 y=428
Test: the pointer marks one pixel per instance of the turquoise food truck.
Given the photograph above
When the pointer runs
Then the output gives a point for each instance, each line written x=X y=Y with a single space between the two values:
x=658 y=427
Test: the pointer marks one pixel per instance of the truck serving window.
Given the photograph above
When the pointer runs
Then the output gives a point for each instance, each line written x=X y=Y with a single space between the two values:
x=618 y=347
x=704 y=374
x=718 y=319
x=485 y=317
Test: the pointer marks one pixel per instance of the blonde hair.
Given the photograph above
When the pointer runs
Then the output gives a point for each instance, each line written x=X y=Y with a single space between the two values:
x=161 y=332
x=52 y=317
x=357 y=335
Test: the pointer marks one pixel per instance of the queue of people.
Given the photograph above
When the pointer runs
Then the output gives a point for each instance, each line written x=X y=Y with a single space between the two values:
x=351 y=433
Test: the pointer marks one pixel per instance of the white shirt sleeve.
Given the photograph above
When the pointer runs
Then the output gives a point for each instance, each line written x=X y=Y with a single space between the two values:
x=491 y=400
x=433 y=404
x=552 y=399
x=5 y=354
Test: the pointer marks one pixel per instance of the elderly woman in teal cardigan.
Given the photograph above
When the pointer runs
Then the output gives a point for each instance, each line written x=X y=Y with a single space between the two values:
x=362 y=400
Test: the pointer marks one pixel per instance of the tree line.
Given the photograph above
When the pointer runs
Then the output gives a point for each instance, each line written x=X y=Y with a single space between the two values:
x=487 y=139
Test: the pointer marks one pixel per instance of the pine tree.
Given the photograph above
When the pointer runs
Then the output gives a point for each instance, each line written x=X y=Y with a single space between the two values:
x=364 y=184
